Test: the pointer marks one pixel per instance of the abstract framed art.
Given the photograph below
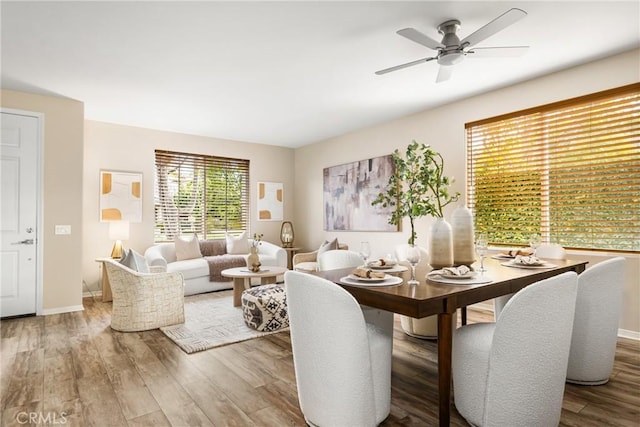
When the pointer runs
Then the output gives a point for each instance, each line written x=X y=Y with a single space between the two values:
x=348 y=191
x=120 y=196
x=270 y=201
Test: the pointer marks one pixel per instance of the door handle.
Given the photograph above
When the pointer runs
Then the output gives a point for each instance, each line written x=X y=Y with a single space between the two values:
x=24 y=242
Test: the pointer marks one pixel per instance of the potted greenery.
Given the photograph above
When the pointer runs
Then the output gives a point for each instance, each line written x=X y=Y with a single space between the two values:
x=418 y=187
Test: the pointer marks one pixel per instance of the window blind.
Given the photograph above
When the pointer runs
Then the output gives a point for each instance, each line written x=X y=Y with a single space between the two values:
x=200 y=194
x=569 y=171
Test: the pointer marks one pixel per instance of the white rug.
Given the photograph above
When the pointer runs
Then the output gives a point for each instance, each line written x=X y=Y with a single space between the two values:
x=211 y=320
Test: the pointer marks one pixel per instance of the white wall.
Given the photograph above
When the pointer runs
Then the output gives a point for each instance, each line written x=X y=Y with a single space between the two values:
x=125 y=148
x=443 y=129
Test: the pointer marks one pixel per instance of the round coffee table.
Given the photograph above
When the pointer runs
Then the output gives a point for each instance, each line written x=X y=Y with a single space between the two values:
x=242 y=279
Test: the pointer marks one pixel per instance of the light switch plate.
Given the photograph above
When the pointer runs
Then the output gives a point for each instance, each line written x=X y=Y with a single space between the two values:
x=63 y=229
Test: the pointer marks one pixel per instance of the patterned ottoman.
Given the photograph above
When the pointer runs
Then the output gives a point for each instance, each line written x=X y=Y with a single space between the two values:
x=265 y=308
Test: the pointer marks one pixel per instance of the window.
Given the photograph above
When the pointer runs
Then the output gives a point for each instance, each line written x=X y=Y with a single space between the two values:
x=569 y=171
x=200 y=194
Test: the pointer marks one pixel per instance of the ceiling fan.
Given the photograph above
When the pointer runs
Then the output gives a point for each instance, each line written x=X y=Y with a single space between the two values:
x=452 y=50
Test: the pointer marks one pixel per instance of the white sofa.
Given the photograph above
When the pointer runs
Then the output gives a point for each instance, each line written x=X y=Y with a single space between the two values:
x=162 y=257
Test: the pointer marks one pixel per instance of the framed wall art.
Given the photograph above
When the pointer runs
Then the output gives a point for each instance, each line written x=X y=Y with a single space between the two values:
x=120 y=196
x=270 y=201
x=348 y=191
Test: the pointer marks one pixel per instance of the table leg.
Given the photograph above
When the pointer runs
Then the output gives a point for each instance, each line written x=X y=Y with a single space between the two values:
x=267 y=280
x=239 y=285
x=445 y=343
x=106 y=286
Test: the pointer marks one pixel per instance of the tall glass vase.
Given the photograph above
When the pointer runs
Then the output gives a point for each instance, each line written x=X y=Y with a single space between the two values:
x=441 y=244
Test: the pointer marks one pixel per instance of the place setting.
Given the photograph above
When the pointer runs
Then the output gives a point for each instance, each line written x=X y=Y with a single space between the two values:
x=459 y=275
x=370 y=277
x=527 y=261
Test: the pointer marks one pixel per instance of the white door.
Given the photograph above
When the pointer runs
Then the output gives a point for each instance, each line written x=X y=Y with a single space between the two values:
x=18 y=214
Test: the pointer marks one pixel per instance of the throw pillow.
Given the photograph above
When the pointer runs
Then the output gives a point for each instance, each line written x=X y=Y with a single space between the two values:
x=187 y=249
x=238 y=245
x=328 y=246
x=135 y=261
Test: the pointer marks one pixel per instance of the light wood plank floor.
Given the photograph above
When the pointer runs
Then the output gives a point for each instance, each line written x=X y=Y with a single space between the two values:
x=72 y=369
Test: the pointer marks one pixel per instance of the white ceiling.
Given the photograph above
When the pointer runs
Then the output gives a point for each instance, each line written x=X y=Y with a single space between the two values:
x=283 y=73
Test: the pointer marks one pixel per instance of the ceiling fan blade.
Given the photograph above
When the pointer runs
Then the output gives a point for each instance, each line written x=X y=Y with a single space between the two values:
x=416 y=36
x=500 y=23
x=400 y=67
x=444 y=73
x=493 y=52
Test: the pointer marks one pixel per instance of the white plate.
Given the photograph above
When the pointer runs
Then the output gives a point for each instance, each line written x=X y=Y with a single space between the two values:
x=502 y=256
x=389 y=281
x=469 y=275
x=518 y=265
x=370 y=279
x=381 y=267
x=478 y=280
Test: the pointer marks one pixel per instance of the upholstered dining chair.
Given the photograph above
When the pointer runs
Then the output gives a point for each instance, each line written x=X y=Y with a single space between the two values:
x=426 y=327
x=512 y=372
x=143 y=301
x=595 y=326
x=335 y=259
x=546 y=251
x=341 y=354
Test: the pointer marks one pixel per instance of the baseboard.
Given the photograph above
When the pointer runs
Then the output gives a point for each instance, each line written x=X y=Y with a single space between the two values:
x=92 y=294
x=632 y=335
x=622 y=333
x=59 y=310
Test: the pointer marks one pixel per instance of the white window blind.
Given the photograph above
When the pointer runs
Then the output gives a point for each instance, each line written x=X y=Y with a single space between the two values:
x=569 y=171
x=200 y=194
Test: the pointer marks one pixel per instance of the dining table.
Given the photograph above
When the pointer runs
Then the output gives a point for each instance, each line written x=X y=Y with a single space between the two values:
x=431 y=297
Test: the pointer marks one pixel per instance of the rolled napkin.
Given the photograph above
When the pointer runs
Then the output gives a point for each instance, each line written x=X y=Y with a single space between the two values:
x=460 y=270
x=516 y=252
x=380 y=263
x=527 y=260
x=365 y=273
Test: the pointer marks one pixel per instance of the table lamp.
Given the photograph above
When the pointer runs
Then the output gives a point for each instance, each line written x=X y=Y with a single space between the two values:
x=286 y=234
x=118 y=231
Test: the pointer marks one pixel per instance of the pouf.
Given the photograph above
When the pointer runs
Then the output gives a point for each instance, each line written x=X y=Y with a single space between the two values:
x=265 y=308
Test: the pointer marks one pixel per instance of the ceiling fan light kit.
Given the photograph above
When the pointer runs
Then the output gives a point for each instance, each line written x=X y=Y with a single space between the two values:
x=451 y=50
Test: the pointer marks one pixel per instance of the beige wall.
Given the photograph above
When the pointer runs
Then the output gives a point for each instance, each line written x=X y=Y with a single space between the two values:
x=125 y=148
x=443 y=128
x=61 y=196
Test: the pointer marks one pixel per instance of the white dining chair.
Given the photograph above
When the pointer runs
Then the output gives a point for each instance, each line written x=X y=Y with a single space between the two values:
x=595 y=326
x=426 y=327
x=341 y=354
x=335 y=259
x=512 y=372
x=544 y=250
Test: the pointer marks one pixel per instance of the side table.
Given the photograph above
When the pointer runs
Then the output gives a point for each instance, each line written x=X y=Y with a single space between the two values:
x=290 y=253
x=242 y=279
x=106 y=287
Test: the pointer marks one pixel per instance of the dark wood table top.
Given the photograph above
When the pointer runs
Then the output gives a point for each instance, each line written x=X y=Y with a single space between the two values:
x=431 y=297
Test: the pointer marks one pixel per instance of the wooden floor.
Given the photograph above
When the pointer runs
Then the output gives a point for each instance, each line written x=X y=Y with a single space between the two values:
x=72 y=369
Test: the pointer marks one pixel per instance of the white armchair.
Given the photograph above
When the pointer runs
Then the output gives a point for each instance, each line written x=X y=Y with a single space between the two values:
x=143 y=301
x=512 y=372
x=339 y=258
x=341 y=354
x=595 y=326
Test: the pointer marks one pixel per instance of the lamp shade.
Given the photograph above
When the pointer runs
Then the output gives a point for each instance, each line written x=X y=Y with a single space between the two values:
x=286 y=234
x=119 y=230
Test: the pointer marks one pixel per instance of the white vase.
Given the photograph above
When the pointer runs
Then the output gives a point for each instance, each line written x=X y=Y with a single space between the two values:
x=463 y=235
x=253 y=260
x=441 y=244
